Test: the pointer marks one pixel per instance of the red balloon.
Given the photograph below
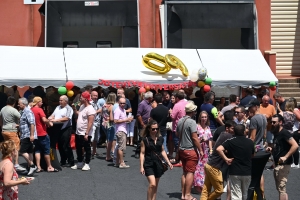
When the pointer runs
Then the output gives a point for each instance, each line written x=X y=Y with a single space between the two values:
x=206 y=88
x=273 y=88
x=142 y=90
x=69 y=85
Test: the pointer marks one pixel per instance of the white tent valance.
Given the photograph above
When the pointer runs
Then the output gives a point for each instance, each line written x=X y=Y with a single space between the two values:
x=34 y=66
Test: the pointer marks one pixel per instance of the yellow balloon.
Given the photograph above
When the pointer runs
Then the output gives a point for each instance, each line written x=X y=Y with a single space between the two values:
x=158 y=58
x=176 y=63
x=70 y=93
x=201 y=84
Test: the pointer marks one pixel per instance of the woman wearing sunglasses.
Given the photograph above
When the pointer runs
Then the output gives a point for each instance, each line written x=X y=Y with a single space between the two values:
x=152 y=152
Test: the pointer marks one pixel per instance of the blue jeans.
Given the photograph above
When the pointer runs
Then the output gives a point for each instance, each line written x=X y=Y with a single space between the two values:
x=110 y=133
x=175 y=140
x=164 y=135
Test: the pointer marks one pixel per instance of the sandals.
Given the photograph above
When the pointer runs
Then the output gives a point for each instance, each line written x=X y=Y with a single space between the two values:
x=54 y=170
x=39 y=170
x=124 y=166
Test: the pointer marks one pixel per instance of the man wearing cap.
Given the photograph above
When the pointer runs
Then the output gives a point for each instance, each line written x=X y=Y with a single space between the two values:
x=189 y=146
x=84 y=131
x=42 y=143
x=28 y=134
x=63 y=113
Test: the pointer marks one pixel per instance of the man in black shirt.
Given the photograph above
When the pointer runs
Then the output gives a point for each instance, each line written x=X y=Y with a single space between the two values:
x=280 y=102
x=284 y=147
x=160 y=115
x=213 y=173
x=228 y=115
x=240 y=151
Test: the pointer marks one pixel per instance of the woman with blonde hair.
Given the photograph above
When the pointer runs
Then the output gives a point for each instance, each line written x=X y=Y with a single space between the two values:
x=108 y=125
x=289 y=116
x=204 y=136
x=152 y=152
x=8 y=175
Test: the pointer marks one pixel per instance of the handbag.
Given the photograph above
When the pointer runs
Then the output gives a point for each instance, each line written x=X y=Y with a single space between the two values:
x=163 y=162
x=177 y=157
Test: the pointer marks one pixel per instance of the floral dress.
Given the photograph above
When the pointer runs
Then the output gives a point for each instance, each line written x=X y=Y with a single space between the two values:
x=8 y=193
x=199 y=175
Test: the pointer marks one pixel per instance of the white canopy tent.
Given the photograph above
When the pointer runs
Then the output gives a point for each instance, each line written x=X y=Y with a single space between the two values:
x=35 y=66
x=32 y=66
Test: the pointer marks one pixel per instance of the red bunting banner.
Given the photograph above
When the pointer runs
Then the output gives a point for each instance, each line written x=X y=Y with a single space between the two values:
x=139 y=84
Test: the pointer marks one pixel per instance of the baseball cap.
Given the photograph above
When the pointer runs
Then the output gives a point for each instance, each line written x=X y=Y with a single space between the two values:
x=86 y=95
x=190 y=107
x=252 y=102
x=36 y=100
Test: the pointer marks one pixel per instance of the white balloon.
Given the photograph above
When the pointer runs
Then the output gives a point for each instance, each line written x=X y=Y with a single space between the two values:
x=202 y=73
x=193 y=77
x=195 y=71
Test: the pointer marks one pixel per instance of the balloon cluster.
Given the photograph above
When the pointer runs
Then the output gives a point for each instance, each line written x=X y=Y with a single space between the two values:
x=67 y=90
x=200 y=76
x=144 y=89
x=272 y=85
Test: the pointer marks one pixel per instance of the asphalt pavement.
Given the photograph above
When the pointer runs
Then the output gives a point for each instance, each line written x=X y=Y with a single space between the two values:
x=104 y=181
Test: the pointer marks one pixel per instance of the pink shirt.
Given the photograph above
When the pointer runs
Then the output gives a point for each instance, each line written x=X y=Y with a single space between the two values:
x=82 y=121
x=120 y=114
x=178 y=112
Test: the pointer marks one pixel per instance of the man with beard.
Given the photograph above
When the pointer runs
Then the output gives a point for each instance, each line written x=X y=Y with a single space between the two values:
x=284 y=147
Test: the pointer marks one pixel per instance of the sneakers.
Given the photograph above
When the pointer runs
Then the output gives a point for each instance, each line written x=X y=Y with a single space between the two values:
x=32 y=169
x=19 y=168
x=78 y=166
x=295 y=166
x=86 y=167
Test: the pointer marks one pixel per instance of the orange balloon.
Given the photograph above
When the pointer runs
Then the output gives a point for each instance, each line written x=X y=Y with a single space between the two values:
x=147 y=88
x=201 y=84
x=206 y=88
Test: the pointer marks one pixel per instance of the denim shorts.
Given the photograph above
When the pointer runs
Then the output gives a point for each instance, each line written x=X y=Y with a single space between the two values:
x=42 y=145
x=110 y=134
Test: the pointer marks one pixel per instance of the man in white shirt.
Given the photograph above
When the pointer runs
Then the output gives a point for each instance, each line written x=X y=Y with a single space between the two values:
x=63 y=113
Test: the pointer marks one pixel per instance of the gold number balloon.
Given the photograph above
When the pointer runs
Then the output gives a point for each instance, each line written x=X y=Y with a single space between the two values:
x=168 y=62
x=176 y=63
x=158 y=58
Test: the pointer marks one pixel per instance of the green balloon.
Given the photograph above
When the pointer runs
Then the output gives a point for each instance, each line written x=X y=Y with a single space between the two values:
x=208 y=81
x=62 y=90
x=272 y=83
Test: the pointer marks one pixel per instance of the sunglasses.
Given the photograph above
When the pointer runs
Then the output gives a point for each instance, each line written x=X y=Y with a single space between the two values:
x=273 y=122
x=154 y=129
x=237 y=112
x=122 y=103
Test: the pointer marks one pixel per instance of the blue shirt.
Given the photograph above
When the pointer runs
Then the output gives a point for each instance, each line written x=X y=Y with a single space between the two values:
x=26 y=119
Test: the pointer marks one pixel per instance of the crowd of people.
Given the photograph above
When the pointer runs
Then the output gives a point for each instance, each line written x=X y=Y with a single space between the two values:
x=213 y=143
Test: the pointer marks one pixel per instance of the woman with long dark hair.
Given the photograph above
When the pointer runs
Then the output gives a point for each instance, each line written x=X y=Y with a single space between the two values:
x=151 y=156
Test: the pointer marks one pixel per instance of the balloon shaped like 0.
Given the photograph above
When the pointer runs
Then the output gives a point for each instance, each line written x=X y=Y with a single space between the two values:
x=158 y=58
x=202 y=73
x=176 y=63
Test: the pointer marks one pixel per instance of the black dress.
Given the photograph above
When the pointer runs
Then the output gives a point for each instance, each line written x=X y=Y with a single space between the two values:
x=152 y=164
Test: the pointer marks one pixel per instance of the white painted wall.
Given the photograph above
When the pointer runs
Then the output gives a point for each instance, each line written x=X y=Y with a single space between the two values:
x=87 y=36
x=211 y=38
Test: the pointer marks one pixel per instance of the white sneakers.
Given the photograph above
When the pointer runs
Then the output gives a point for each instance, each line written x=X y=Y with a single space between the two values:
x=86 y=167
x=19 y=168
x=81 y=165
x=295 y=166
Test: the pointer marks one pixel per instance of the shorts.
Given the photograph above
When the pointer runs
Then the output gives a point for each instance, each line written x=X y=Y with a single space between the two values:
x=110 y=133
x=280 y=175
x=153 y=171
x=189 y=159
x=26 y=146
x=95 y=134
x=12 y=136
x=121 y=140
x=42 y=145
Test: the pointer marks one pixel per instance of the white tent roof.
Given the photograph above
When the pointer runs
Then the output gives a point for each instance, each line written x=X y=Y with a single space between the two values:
x=32 y=66
x=236 y=67
x=87 y=66
x=45 y=66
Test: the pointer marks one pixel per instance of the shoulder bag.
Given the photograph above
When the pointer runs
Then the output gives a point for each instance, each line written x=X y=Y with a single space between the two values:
x=163 y=162
x=177 y=157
